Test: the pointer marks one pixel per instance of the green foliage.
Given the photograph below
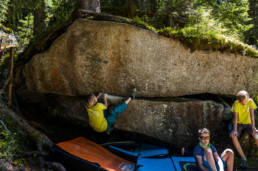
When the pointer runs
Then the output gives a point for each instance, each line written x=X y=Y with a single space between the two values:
x=4 y=10
x=10 y=139
x=201 y=39
x=202 y=24
x=198 y=22
x=201 y=36
x=158 y=18
x=139 y=22
x=233 y=15
x=216 y=27
x=230 y=18
x=5 y=29
x=25 y=31
x=18 y=15
x=59 y=11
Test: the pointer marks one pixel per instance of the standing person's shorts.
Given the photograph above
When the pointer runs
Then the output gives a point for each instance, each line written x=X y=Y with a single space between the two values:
x=241 y=127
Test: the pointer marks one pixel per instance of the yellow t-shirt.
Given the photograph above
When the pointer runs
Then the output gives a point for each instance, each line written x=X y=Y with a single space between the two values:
x=243 y=111
x=96 y=117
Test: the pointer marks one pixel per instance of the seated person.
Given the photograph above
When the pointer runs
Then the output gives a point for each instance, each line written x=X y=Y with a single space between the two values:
x=207 y=157
x=244 y=120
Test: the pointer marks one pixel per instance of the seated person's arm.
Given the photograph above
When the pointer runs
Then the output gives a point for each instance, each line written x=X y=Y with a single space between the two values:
x=234 y=130
x=219 y=161
x=200 y=163
x=253 y=120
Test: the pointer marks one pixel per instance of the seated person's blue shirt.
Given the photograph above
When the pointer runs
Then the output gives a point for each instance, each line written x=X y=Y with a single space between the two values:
x=199 y=151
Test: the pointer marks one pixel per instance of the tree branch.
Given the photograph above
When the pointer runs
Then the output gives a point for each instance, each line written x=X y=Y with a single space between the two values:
x=11 y=77
x=39 y=138
x=4 y=126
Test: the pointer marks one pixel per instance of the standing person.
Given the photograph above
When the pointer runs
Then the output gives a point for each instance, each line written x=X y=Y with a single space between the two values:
x=243 y=109
x=98 y=118
x=207 y=157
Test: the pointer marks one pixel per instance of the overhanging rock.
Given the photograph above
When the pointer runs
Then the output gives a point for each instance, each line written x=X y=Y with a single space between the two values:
x=100 y=56
x=173 y=122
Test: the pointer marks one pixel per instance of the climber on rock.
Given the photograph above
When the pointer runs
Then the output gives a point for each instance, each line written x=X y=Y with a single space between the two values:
x=97 y=113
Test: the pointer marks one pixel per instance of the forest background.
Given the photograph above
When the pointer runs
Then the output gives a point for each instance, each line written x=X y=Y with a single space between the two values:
x=236 y=19
x=192 y=21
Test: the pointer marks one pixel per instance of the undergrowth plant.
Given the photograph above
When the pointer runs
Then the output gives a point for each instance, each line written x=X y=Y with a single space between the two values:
x=11 y=139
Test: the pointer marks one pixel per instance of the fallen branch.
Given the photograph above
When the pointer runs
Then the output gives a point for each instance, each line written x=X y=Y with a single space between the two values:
x=5 y=84
x=29 y=154
x=39 y=138
x=4 y=126
x=41 y=160
x=52 y=165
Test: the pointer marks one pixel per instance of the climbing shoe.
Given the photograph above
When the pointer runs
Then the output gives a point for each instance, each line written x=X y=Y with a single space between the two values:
x=243 y=163
x=133 y=93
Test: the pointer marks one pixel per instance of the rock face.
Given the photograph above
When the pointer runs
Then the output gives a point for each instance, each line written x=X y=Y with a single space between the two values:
x=98 y=56
x=173 y=122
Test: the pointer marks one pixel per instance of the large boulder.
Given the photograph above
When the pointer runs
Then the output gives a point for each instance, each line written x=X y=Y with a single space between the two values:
x=169 y=121
x=100 y=56
x=173 y=122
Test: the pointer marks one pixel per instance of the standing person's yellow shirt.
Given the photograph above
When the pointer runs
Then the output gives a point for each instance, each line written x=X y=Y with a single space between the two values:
x=243 y=111
x=96 y=117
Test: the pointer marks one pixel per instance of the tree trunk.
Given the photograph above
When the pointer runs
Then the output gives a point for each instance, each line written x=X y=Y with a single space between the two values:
x=86 y=7
x=1 y=51
x=130 y=8
x=9 y=80
x=253 y=13
x=153 y=6
x=39 y=24
x=11 y=19
x=11 y=76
